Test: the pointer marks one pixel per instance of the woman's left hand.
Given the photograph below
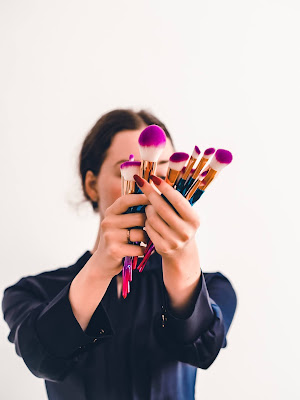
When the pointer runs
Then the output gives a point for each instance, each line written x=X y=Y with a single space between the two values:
x=170 y=231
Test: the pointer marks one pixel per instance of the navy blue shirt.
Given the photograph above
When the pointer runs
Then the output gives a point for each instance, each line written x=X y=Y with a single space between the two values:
x=134 y=348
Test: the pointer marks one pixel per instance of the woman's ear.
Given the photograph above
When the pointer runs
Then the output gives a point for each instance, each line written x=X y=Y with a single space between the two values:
x=90 y=186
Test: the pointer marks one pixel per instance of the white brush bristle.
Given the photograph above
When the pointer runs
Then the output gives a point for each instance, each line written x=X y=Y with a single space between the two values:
x=216 y=165
x=195 y=154
x=151 y=153
x=177 y=166
x=128 y=172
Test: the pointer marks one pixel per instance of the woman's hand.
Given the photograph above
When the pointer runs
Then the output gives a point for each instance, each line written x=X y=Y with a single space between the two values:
x=170 y=231
x=173 y=233
x=113 y=245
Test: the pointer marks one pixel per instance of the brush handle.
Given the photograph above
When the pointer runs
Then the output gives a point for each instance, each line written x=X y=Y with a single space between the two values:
x=196 y=196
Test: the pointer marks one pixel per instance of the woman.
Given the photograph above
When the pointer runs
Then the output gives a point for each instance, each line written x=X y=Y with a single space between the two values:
x=73 y=328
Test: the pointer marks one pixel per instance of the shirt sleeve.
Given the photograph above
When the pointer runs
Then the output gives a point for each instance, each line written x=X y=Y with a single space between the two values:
x=46 y=334
x=197 y=338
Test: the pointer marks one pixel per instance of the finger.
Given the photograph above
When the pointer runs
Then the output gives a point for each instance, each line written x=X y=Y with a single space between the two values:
x=154 y=236
x=136 y=235
x=178 y=201
x=124 y=202
x=157 y=222
x=180 y=204
x=124 y=221
x=131 y=250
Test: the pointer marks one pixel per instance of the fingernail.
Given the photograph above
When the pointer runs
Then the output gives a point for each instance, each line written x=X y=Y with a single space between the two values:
x=155 y=179
x=138 y=180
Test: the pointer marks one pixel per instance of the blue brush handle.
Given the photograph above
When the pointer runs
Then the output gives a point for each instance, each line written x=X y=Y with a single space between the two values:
x=134 y=209
x=196 y=196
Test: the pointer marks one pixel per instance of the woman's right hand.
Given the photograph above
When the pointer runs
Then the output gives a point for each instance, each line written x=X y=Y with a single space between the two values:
x=113 y=245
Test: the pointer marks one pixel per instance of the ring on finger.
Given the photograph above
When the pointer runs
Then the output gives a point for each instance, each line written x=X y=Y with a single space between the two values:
x=128 y=236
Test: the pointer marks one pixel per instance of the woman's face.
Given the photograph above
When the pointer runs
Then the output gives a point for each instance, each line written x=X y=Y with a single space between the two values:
x=124 y=143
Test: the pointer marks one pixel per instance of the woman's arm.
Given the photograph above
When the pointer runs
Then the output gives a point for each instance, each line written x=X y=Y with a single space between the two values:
x=181 y=277
x=197 y=338
x=43 y=327
x=192 y=325
x=88 y=288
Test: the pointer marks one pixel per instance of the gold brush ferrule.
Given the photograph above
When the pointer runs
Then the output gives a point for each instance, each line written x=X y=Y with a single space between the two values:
x=200 y=166
x=189 y=167
x=211 y=174
x=179 y=177
x=147 y=168
x=171 y=177
x=208 y=178
x=128 y=187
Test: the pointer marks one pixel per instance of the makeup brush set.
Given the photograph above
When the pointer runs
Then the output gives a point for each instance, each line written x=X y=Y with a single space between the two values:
x=190 y=182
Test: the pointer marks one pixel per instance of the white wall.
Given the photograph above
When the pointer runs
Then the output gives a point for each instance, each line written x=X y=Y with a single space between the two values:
x=219 y=73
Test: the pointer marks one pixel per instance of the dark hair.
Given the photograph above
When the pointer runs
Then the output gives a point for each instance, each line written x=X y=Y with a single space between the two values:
x=99 y=138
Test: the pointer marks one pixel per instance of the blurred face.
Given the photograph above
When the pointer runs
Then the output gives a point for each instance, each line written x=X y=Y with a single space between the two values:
x=108 y=184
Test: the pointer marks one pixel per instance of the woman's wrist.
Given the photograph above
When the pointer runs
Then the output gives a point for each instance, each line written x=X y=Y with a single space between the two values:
x=99 y=268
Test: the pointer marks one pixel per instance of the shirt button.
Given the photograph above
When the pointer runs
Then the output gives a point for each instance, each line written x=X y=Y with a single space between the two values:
x=95 y=340
x=101 y=331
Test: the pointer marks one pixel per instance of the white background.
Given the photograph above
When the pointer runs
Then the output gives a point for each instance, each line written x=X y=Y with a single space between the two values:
x=218 y=73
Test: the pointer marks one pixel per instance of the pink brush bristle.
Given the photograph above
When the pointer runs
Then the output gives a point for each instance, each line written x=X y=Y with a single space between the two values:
x=196 y=152
x=152 y=141
x=130 y=168
x=178 y=160
x=220 y=159
x=209 y=152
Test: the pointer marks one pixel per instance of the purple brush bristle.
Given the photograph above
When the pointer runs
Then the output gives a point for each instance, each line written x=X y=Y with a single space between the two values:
x=131 y=157
x=223 y=156
x=209 y=152
x=177 y=160
x=130 y=164
x=220 y=159
x=153 y=135
x=204 y=173
x=152 y=141
x=196 y=152
x=129 y=169
x=179 y=157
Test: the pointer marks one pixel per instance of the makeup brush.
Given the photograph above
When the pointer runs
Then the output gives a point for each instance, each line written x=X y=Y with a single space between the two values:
x=128 y=169
x=190 y=164
x=176 y=163
x=152 y=141
x=204 y=159
x=179 y=177
x=195 y=192
x=220 y=160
